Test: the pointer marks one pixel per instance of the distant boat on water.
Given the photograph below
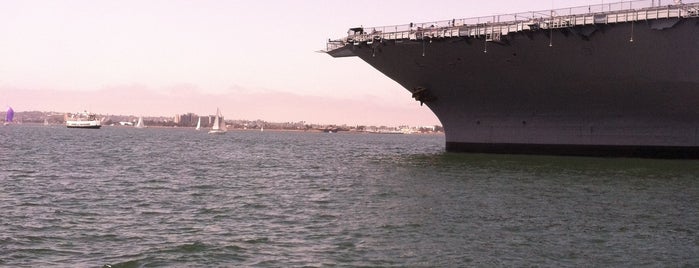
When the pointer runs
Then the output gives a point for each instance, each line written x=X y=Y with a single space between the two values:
x=198 y=124
x=219 y=126
x=9 y=116
x=83 y=120
x=140 y=123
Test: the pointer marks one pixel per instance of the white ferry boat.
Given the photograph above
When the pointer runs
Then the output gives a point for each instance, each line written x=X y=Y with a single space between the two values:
x=83 y=120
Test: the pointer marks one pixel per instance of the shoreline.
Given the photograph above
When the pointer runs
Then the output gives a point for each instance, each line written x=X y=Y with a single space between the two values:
x=247 y=130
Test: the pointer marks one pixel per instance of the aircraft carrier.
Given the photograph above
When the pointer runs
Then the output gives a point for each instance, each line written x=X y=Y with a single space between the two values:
x=617 y=79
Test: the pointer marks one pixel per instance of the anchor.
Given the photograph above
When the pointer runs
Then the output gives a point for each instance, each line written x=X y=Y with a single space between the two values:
x=422 y=95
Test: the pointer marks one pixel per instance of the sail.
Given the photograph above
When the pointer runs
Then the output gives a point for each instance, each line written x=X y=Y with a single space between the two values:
x=222 y=123
x=199 y=123
x=219 y=125
x=140 y=122
x=10 y=115
x=215 y=125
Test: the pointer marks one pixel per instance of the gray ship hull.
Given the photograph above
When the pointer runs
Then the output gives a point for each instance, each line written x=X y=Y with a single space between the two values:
x=622 y=89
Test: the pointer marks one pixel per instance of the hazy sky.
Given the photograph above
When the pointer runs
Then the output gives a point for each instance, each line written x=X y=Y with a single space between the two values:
x=253 y=59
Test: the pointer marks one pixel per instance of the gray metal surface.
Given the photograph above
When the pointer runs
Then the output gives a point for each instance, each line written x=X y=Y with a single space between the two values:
x=629 y=88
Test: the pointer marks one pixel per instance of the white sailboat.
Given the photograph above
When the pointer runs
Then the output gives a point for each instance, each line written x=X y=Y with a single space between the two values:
x=219 y=126
x=198 y=124
x=140 y=123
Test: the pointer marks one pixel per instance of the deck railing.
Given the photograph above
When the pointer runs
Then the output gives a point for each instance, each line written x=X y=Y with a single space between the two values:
x=495 y=26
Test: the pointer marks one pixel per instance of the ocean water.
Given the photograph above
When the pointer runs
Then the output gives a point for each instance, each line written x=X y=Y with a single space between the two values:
x=125 y=197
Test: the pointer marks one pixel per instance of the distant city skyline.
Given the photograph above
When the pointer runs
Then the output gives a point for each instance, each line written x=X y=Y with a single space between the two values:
x=253 y=59
x=195 y=120
x=267 y=106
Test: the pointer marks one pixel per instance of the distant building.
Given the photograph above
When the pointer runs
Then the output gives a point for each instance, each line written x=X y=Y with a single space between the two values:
x=186 y=120
x=431 y=128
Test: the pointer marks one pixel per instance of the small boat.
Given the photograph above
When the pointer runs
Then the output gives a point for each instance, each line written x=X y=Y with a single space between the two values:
x=83 y=120
x=198 y=124
x=140 y=123
x=219 y=126
x=9 y=116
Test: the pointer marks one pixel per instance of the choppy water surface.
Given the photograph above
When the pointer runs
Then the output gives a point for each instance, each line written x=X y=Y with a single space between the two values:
x=177 y=197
